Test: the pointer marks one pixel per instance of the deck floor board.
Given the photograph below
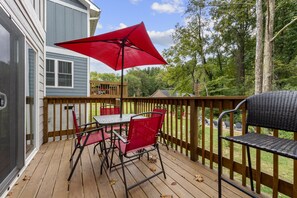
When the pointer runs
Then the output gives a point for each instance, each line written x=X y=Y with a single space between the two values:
x=47 y=173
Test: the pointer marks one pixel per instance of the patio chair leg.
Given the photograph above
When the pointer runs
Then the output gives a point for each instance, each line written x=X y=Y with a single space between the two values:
x=250 y=167
x=95 y=147
x=124 y=176
x=219 y=166
x=112 y=152
x=164 y=140
x=76 y=146
x=106 y=153
x=76 y=161
x=161 y=161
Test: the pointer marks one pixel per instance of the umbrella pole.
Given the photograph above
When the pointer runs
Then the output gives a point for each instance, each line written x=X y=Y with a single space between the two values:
x=122 y=79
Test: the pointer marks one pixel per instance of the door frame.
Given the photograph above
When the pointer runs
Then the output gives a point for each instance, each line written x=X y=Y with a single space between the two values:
x=20 y=157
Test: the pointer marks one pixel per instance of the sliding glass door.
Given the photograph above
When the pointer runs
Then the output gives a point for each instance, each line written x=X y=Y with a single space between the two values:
x=11 y=101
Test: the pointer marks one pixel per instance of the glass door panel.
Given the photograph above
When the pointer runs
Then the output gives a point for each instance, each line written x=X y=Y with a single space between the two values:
x=11 y=101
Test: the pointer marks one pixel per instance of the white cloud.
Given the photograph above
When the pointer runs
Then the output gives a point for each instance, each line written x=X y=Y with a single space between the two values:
x=168 y=6
x=162 y=38
x=99 y=26
x=122 y=25
x=135 y=1
x=100 y=67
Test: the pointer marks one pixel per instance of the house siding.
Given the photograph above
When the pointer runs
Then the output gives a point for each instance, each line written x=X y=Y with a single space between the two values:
x=75 y=3
x=30 y=21
x=65 y=23
x=80 y=72
x=32 y=26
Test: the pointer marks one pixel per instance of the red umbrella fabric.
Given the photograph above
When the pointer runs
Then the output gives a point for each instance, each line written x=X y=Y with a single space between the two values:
x=120 y=49
x=108 y=48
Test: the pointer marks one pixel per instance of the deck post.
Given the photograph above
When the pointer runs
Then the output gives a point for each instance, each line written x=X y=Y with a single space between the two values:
x=135 y=106
x=193 y=130
x=45 y=120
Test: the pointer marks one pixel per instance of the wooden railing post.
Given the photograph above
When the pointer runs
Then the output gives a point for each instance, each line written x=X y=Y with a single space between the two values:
x=135 y=106
x=193 y=130
x=45 y=120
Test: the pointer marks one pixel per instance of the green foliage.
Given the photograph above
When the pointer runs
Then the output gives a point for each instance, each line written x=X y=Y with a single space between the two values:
x=144 y=82
x=216 y=48
x=105 y=77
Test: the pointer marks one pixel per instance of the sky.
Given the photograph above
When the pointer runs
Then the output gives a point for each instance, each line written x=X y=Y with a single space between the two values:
x=159 y=16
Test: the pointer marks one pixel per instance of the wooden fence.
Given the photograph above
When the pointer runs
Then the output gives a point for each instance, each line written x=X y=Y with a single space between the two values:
x=189 y=128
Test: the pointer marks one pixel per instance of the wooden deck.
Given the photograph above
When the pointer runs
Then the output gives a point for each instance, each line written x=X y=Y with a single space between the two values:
x=46 y=176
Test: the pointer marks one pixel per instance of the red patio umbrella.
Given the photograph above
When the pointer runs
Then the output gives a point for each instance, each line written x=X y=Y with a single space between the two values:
x=120 y=49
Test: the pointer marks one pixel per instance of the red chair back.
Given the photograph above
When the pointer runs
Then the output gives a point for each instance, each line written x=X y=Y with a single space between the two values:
x=163 y=112
x=143 y=131
x=109 y=110
x=77 y=132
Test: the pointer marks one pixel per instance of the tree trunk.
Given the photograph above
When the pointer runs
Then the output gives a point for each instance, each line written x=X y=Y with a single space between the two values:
x=259 y=48
x=268 y=46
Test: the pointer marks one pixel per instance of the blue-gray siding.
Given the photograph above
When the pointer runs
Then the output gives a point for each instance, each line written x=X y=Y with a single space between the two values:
x=75 y=3
x=64 y=23
x=80 y=79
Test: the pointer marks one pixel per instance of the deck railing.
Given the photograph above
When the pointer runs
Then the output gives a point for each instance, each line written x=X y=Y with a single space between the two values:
x=189 y=128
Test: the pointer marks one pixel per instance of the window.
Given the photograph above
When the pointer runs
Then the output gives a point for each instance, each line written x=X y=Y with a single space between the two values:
x=50 y=72
x=59 y=73
x=65 y=74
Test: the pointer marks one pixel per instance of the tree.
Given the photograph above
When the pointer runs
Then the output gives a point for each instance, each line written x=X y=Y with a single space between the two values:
x=187 y=58
x=104 y=77
x=259 y=48
x=233 y=22
x=144 y=82
x=268 y=47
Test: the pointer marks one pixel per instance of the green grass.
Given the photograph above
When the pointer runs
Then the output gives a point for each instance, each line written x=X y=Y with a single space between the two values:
x=285 y=165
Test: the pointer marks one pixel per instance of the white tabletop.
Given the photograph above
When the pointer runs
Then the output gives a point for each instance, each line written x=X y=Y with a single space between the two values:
x=113 y=119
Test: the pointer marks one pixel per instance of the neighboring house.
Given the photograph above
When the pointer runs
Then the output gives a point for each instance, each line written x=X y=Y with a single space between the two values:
x=22 y=70
x=168 y=93
x=163 y=93
x=67 y=72
x=24 y=75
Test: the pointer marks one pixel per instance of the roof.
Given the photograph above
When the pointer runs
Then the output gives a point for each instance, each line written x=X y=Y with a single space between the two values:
x=163 y=93
x=95 y=12
x=168 y=93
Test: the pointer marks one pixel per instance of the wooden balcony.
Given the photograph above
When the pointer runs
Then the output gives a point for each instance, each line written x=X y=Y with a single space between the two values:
x=190 y=128
x=104 y=89
x=46 y=176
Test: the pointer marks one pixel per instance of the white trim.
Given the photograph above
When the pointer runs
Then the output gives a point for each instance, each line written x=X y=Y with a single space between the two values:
x=36 y=95
x=56 y=65
x=88 y=77
x=88 y=23
x=59 y=50
x=69 y=5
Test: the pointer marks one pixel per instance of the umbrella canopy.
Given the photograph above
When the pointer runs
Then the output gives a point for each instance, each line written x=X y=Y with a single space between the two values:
x=120 y=49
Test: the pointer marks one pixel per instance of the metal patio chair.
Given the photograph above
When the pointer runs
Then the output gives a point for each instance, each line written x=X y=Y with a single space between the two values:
x=85 y=137
x=161 y=134
x=142 y=138
x=272 y=110
x=111 y=110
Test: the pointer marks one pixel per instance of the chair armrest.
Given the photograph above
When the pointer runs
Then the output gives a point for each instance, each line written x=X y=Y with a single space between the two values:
x=91 y=131
x=87 y=124
x=120 y=137
x=224 y=113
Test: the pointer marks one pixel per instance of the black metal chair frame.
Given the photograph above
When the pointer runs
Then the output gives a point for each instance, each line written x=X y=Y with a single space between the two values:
x=161 y=134
x=78 y=145
x=272 y=110
x=135 y=155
